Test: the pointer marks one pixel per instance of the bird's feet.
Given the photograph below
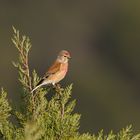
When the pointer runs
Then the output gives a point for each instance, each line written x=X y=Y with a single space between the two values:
x=58 y=88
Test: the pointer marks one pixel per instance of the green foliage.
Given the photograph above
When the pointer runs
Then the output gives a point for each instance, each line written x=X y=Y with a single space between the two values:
x=6 y=129
x=40 y=118
x=124 y=134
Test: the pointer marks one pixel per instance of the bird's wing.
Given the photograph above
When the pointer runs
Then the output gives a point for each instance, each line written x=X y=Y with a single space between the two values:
x=53 y=69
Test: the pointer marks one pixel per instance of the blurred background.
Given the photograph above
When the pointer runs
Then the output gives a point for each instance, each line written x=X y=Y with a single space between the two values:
x=103 y=37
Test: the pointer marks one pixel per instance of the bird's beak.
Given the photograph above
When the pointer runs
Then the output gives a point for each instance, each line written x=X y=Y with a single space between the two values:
x=69 y=57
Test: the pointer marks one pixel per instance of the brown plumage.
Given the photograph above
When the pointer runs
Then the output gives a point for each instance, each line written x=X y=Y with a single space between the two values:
x=57 y=71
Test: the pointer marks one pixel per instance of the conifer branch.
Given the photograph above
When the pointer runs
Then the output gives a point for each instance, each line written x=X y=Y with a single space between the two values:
x=23 y=46
x=43 y=119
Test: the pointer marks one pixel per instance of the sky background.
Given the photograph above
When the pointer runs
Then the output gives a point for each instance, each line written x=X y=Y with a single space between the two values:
x=103 y=37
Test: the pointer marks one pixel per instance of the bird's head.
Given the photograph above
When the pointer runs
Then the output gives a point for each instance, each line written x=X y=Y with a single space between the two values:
x=63 y=56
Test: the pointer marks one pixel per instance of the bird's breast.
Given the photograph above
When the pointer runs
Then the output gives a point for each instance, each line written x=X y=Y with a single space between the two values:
x=64 y=67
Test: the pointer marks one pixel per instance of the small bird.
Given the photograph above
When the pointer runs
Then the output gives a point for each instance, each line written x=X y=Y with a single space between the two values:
x=57 y=71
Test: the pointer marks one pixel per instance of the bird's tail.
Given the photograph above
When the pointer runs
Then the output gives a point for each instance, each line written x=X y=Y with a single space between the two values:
x=37 y=87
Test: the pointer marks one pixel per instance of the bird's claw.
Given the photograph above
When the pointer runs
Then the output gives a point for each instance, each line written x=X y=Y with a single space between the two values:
x=58 y=88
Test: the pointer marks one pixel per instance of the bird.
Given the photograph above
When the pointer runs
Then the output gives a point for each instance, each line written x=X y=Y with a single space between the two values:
x=57 y=71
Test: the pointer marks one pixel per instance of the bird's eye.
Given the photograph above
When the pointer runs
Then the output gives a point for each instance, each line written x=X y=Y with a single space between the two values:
x=65 y=56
